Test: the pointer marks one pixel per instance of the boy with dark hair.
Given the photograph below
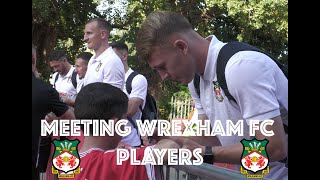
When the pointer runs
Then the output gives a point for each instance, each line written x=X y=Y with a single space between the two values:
x=105 y=102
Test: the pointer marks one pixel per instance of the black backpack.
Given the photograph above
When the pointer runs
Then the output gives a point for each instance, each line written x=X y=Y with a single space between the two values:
x=150 y=110
x=225 y=53
x=73 y=79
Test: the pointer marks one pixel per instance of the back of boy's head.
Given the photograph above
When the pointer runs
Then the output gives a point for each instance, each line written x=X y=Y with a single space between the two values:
x=100 y=101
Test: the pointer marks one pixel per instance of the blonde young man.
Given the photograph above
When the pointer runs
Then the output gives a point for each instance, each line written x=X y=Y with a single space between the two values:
x=169 y=44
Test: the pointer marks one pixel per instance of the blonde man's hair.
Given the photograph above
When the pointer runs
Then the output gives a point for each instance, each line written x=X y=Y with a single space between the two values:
x=155 y=30
x=101 y=23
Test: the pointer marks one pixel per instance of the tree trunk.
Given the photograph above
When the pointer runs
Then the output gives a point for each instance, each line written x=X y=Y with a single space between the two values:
x=44 y=38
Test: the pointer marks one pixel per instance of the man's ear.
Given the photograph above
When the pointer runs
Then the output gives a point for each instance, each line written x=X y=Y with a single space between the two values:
x=182 y=45
x=104 y=34
x=125 y=56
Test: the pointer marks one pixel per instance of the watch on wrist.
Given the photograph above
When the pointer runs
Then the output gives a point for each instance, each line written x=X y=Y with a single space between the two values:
x=208 y=156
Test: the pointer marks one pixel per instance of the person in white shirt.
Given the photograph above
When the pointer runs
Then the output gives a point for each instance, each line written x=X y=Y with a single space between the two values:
x=104 y=66
x=58 y=60
x=137 y=96
x=80 y=66
x=167 y=41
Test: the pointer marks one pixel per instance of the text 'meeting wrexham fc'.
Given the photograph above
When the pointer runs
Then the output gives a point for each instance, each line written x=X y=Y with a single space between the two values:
x=165 y=128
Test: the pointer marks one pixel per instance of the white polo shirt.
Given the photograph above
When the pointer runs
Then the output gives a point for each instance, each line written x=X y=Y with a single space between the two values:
x=64 y=84
x=253 y=79
x=139 y=90
x=79 y=84
x=106 y=68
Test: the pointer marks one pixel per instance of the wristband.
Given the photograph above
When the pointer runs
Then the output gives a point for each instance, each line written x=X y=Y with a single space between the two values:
x=208 y=156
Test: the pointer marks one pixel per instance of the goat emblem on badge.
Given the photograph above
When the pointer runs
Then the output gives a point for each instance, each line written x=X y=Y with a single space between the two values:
x=217 y=91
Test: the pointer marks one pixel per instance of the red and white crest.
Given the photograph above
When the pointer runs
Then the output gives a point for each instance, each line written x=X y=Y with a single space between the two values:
x=254 y=158
x=254 y=162
x=66 y=159
x=66 y=162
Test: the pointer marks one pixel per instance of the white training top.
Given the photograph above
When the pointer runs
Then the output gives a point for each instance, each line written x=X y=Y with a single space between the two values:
x=256 y=83
x=79 y=84
x=106 y=68
x=64 y=84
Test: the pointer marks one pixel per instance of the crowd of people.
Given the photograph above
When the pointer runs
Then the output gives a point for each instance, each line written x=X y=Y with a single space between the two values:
x=94 y=88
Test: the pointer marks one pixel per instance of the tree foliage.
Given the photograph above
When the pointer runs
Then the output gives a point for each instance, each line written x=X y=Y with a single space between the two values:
x=262 y=23
x=57 y=24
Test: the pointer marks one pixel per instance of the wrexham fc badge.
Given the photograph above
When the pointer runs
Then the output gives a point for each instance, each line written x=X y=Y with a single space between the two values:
x=66 y=160
x=217 y=91
x=254 y=158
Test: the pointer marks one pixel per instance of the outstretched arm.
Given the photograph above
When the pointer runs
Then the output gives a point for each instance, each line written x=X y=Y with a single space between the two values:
x=276 y=148
x=165 y=144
